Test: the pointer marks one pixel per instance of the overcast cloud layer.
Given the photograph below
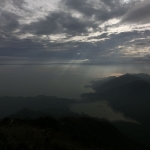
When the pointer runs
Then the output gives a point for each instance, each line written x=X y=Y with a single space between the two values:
x=74 y=31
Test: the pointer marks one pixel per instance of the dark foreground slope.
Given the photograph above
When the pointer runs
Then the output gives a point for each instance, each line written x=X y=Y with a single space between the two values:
x=47 y=133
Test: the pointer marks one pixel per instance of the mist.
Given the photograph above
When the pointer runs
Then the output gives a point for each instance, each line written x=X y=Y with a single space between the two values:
x=66 y=81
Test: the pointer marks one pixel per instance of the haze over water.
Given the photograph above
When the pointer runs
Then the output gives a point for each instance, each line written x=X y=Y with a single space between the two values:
x=57 y=80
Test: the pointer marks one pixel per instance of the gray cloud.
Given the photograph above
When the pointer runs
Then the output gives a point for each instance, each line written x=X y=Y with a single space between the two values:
x=63 y=21
x=19 y=3
x=148 y=56
x=101 y=10
x=139 y=13
x=101 y=51
x=59 y=22
x=16 y=3
x=9 y=21
x=11 y=46
x=2 y=2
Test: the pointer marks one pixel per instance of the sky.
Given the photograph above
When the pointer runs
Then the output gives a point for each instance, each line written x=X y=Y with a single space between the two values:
x=56 y=47
x=74 y=31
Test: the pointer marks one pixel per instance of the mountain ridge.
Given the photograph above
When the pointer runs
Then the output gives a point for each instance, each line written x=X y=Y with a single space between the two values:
x=131 y=95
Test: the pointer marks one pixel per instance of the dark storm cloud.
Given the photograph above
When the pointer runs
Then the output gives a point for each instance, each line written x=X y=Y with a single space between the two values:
x=139 y=13
x=101 y=10
x=9 y=21
x=19 y=48
x=64 y=21
x=59 y=22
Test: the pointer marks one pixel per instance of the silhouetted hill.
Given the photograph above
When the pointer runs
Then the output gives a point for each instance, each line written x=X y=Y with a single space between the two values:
x=64 y=134
x=115 y=82
x=32 y=114
x=56 y=107
x=129 y=93
x=27 y=113
x=145 y=77
x=136 y=89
